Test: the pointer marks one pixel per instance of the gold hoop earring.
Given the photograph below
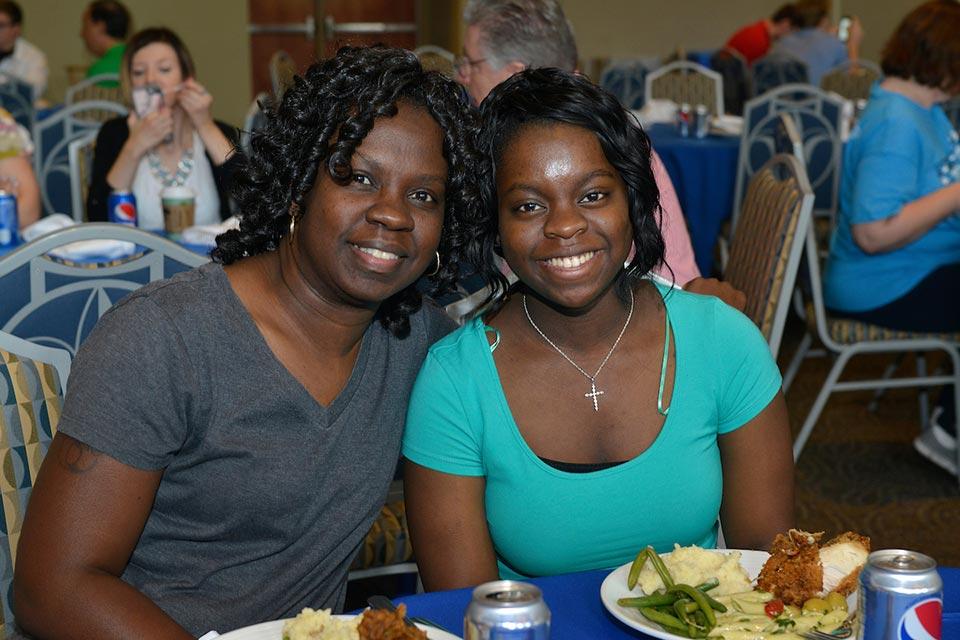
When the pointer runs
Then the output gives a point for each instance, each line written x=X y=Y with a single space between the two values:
x=437 y=268
x=294 y=210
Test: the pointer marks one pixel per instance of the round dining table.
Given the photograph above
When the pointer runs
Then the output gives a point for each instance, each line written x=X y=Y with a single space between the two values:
x=578 y=613
x=704 y=173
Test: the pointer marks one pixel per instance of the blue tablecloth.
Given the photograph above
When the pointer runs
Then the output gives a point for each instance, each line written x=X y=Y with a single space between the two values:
x=704 y=173
x=578 y=614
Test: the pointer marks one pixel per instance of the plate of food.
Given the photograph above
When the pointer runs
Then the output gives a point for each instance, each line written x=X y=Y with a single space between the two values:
x=803 y=585
x=322 y=625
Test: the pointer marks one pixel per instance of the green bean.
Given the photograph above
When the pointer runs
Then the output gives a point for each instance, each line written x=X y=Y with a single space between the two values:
x=712 y=583
x=700 y=598
x=635 y=568
x=653 y=600
x=715 y=605
x=660 y=567
x=665 y=620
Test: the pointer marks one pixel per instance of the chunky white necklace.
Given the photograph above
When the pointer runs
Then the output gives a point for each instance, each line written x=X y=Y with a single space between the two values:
x=594 y=393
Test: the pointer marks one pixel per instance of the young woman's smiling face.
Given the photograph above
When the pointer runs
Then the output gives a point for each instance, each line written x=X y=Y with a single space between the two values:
x=564 y=213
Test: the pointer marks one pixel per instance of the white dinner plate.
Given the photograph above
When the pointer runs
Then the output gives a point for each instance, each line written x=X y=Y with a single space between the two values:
x=274 y=631
x=614 y=587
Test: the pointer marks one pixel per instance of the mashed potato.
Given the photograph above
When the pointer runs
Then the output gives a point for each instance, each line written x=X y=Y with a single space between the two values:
x=693 y=565
x=321 y=625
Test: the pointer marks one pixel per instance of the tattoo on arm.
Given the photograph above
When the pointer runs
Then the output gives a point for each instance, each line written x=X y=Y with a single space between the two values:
x=78 y=457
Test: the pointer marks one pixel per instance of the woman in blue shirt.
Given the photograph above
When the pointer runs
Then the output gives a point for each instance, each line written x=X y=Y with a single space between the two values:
x=895 y=256
x=593 y=412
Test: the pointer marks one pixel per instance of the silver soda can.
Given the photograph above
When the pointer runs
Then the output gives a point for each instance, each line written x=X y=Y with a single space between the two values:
x=901 y=597
x=507 y=610
x=9 y=220
x=701 y=121
x=684 y=119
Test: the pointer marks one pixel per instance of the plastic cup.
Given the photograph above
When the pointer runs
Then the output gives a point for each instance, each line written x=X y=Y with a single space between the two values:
x=178 y=207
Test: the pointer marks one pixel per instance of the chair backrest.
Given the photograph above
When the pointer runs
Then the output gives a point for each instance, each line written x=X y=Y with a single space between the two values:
x=282 y=71
x=775 y=69
x=80 y=157
x=733 y=68
x=254 y=120
x=684 y=81
x=852 y=80
x=952 y=109
x=434 y=58
x=90 y=89
x=765 y=254
x=818 y=117
x=55 y=302
x=627 y=80
x=51 y=162
x=32 y=380
x=16 y=96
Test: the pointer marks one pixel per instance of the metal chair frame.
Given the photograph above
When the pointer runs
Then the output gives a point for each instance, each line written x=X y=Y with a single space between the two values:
x=686 y=67
x=78 y=89
x=59 y=359
x=49 y=280
x=845 y=352
x=53 y=161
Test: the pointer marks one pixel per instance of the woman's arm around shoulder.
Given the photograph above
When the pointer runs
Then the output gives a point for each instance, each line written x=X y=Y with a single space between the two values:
x=74 y=590
x=448 y=528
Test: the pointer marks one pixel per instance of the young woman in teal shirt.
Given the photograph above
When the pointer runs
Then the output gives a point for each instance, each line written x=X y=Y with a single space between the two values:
x=593 y=411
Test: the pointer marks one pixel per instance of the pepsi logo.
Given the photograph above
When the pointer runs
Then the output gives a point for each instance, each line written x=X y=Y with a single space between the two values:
x=125 y=211
x=922 y=621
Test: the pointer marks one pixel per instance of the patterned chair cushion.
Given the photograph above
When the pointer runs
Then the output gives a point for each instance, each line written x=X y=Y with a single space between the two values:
x=388 y=541
x=30 y=404
x=846 y=331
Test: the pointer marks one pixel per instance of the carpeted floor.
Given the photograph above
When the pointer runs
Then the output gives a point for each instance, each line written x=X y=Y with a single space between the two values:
x=859 y=470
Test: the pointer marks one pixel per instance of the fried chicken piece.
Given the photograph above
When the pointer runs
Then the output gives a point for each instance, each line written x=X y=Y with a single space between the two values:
x=793 y=571
x=842 y=558
x=379 y=624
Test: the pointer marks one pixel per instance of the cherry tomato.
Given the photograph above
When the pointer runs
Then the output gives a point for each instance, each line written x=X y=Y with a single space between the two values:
x=773 y=608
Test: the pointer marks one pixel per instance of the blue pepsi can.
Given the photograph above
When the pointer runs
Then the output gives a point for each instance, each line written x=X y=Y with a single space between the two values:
x=507 y=610
x=901 y=597
x=9 y=221
x=122 y=208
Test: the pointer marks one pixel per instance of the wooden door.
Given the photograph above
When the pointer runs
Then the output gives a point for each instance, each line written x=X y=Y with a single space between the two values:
x=310 y=29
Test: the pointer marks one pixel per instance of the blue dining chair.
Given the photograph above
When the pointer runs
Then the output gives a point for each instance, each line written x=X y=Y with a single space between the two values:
x=55 y=302
x=32 y=384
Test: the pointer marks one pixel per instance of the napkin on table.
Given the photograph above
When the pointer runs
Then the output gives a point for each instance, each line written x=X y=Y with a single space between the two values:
x=82 y=249
x=206 y=234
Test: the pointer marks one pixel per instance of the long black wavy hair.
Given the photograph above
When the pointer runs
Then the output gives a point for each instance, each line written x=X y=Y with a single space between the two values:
x=545 y=96
x=323 y=118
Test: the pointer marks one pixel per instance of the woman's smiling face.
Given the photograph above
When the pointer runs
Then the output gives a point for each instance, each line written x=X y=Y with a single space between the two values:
x=370 y=238
x=563 y=213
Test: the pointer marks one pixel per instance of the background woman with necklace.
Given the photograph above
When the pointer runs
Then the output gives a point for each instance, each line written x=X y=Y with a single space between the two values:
x=177 y=144
x=595 y=411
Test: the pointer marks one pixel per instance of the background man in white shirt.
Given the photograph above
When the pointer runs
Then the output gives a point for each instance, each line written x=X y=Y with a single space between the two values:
x=18 y=57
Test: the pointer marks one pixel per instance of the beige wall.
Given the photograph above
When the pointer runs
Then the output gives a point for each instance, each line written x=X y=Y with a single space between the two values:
x=625 y=28
x=214 y=30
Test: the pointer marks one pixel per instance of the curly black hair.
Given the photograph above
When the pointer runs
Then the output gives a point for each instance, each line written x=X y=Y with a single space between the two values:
x=545 y=96
x=323 y=118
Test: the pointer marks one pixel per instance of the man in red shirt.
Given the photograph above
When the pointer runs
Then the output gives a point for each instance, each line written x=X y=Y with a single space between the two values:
x=754 y=40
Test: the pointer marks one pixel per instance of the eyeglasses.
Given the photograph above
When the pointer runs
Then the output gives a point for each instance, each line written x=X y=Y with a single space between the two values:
x=464 y=64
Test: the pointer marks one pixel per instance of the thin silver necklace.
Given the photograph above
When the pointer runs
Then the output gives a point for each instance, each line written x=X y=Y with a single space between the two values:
x=594 y=393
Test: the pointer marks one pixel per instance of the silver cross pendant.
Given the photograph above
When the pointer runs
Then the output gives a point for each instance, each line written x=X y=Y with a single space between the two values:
x=593 y=395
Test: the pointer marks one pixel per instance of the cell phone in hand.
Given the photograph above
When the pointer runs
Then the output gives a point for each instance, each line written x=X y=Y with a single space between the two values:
x=843 y=28
x=147 y=99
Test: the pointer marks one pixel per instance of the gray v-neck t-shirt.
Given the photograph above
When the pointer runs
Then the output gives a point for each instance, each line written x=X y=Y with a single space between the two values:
x=266 y=495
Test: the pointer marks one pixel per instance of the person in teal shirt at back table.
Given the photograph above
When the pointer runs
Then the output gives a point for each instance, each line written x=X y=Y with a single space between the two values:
x=594 y=410
x=895 y=254
x=106 y=24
